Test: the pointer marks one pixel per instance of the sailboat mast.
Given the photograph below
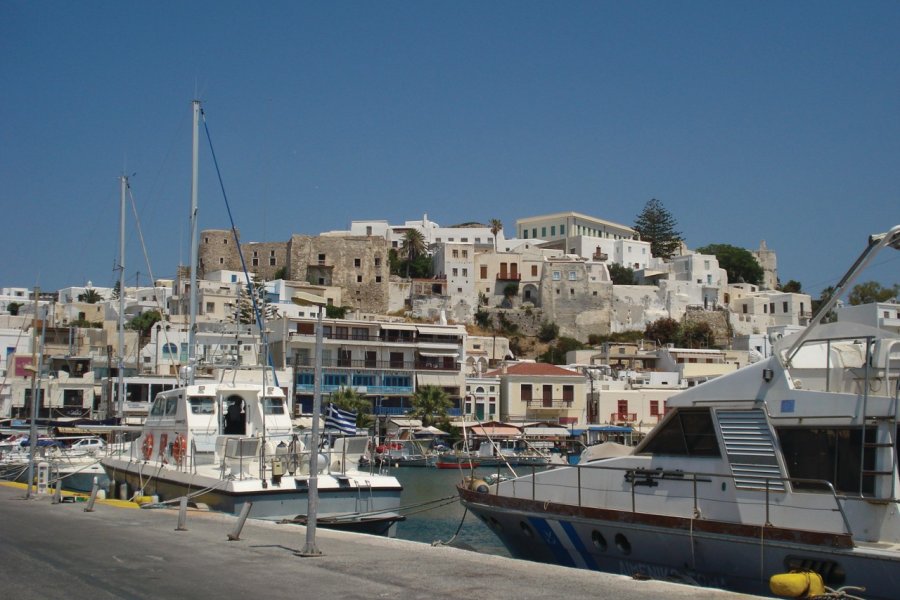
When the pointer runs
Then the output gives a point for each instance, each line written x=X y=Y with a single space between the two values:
x=195 y=184
x=120 y=393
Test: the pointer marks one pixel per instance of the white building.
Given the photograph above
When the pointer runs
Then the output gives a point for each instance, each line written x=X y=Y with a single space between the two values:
x=883 y=315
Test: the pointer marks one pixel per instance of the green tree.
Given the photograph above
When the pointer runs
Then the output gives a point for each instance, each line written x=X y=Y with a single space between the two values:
x=336 y=312
x=872 y=291
x=548 y=332
x=621 y=275
x=792 y=287
x=246 y=313
x=496 y=227
x=656 y=225
x=739 y=263
x=696 y=335
x=483 y=319
x=116 y=291
x=13 y=308
x=556 y=353
x=349 y=399
x=823 y=299
x=144 y=322
x=663 y=331
x=429 y=403
x=90 y=296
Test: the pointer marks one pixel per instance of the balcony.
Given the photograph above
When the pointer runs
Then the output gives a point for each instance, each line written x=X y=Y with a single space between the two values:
x=509 y=276
x=623 y=418
x=382 y=365
x=549 y=404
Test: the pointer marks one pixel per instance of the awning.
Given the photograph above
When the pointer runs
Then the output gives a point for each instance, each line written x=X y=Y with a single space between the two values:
x=400 y=422
x=399 y=326
x=438 y=330
x=434 y=352
x=504 y=431
x=546 y=431
x=438 y=380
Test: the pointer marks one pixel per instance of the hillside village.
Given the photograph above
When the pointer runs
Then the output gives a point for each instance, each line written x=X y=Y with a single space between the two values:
x=489 y=306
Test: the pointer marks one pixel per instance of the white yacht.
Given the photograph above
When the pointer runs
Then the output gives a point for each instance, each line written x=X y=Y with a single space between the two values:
x=228 y=443
x=787 y=464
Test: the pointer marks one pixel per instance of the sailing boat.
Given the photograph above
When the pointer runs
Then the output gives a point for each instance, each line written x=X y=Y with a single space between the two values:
x=229 y=442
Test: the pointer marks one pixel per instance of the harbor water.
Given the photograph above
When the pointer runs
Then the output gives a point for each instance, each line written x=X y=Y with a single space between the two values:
x=439 y=523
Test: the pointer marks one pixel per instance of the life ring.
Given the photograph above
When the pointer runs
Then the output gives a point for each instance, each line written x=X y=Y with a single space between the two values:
x=179 y=448
x=147 y=447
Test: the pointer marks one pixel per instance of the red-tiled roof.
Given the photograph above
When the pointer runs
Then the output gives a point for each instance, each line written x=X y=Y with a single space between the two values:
x=534 y=369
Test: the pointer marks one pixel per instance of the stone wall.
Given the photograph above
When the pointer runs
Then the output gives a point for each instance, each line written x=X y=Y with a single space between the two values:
x=217 y=252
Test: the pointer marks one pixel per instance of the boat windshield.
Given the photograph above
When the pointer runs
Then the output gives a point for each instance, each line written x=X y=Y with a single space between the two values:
x=203 y=405
x=273 y=406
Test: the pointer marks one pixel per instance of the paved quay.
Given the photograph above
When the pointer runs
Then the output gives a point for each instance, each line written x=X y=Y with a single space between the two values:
x=119 y=551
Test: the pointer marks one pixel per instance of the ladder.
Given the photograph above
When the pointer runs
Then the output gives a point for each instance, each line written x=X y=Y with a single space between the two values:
x=884 y=425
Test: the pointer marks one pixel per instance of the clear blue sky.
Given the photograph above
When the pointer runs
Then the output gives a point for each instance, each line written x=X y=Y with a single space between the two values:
x=776 y=121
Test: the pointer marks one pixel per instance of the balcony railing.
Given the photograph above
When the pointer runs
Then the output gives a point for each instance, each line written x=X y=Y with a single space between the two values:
x=542 y=403
x=509 y=276
x=617 y=417
x=381 y=365
x=370 y=390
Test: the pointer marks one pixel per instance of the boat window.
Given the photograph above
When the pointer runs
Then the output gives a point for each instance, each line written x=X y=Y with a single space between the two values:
x=830 y=454
x=171 y=406
x=689 y=432
x=202 y=406
x=273 y=406
x=159 y=407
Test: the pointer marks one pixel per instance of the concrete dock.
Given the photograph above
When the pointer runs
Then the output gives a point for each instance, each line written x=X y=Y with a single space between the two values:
x=117 y=550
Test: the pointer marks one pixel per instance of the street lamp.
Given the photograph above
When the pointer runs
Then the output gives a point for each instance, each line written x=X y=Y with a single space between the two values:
x=310 y=549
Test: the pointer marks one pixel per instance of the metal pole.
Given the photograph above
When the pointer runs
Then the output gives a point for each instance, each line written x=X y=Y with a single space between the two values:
x=32 y=432
x=194 y=298
x=120 y=406
x=313 y=498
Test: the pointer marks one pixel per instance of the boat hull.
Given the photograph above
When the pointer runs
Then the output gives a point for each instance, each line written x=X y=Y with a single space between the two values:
x=739 y=558
x=339 y=501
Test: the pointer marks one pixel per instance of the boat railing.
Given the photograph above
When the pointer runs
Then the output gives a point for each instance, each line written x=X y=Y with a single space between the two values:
x=638 y=477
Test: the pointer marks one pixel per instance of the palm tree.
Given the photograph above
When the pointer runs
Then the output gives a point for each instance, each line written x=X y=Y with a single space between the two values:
x=496 y=227
x=413 y=246
x=429 y=401
x=90 y=296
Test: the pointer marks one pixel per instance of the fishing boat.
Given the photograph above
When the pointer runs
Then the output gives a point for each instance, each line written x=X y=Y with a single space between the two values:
x=789 y=464
x=229 y=444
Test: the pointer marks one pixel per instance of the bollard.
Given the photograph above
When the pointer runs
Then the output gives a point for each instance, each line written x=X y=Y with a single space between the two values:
x=123 y=491
x=94 y=489
x=57 y=495
x=236 y=534
x=182 y=514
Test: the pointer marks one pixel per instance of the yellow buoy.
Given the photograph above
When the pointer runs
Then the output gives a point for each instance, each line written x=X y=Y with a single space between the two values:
x=797 y=584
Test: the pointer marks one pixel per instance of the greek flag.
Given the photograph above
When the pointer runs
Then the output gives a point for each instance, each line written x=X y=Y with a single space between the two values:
x=342 y=420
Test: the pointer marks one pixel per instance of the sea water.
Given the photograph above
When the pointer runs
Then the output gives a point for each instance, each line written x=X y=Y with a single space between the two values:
x=441 y=521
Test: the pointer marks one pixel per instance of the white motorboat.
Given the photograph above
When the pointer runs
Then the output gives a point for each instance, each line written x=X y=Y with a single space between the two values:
x=787 y=464
x=229 y=443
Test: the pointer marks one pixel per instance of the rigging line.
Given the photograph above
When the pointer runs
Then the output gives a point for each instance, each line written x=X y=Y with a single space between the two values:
x=250 y=286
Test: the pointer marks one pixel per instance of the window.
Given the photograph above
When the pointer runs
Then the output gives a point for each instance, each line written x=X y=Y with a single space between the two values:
x=772 y=307
x=483 y=273
x=378 y=279
x=562 y=230
x=526 y=392
x=455 y=253
x=465 y=272
x=784 y=307
x=377 y=261
x=557 y=275
x=689 y=433
x=553 y=230
x=359 y=279
x=571 y=275
x=525 y=234
x=254 y=262
x=543 y=232
x=455 y=272
x=534 y=232
x=170 y=349
x=273 y=406
x=654 y=408
x=534 y=270
x=334 y=379
x=465 y=253
x=210 y=307
x=202 y=405
x=829 y=454
x=357 y=262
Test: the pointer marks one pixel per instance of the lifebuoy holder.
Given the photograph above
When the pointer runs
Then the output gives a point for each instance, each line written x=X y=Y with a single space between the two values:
x=147 y=446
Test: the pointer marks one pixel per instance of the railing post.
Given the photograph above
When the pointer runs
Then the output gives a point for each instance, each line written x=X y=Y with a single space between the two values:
x=533 y=484
x=768 y=522
x=578 y=470
x=696 y=505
